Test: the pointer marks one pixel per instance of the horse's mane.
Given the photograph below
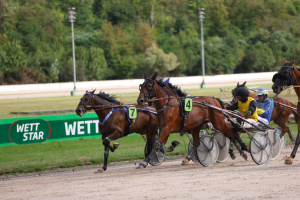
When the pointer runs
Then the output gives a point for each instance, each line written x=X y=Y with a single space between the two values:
x=174 y=88
x=109 y=98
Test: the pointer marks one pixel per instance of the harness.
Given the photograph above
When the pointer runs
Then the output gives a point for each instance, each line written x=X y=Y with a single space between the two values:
x=125 y=108
x=151 y=94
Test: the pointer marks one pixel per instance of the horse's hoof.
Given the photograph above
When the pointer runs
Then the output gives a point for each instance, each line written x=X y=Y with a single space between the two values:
x=99 y=170
x=288 y=161
x=170 y=149
x=248 y=149
x=185 y=162
x=232 y=156
x=245 y=156
x=116 y=145
x=175 y=143
x=142 y=166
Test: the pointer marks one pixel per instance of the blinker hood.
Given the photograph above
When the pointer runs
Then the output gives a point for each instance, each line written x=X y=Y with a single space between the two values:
x=280 y=75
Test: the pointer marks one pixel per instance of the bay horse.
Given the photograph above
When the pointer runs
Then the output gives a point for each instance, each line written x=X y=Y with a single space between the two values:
x=114 y=122
x=280 y=114
x=170 y=118
x=289 y=75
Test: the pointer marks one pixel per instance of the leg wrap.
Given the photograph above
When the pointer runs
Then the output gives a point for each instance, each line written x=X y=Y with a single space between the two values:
x=106 y=141
x=192 y=153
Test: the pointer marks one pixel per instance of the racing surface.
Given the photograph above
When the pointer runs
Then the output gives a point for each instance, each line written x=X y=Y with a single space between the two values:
x=234 y=179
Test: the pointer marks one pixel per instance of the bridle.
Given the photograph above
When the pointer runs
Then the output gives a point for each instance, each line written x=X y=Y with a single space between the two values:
x=151 y=91
x=84 y=106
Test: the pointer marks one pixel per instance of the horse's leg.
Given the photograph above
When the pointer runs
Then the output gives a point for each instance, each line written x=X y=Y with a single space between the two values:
x=290 y=134
x=238 y=147
x=106 y=154
x=196 y=142
x=232 y=139
x=106 y=142
x=290 y=159
x=150 y=135
x=285 y=129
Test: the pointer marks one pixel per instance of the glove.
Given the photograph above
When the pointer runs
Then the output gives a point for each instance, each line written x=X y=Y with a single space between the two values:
x=247 y=115
x=239 y=114
x=260 y=111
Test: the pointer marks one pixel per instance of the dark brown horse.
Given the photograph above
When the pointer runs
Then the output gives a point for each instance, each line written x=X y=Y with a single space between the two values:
x=170 y=118
x=114 y=122
x=289 y=75
x=280 y=114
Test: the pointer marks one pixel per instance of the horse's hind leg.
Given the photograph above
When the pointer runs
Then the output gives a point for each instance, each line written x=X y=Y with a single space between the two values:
x=196 y=143
x=290 y=134
x=285 y=129
x=238 y=147
x=231 y=148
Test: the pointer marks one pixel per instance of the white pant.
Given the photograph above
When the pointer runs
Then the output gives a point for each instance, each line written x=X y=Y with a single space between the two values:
x=244 y=124
x=263 y=120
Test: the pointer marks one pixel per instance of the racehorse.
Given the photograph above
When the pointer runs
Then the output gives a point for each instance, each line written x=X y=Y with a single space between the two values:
x=280 y=114
x=171 y=120
x=289 y=75
x=114 y=122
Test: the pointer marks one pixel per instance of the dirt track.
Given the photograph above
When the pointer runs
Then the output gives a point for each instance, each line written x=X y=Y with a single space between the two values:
x=234 y=179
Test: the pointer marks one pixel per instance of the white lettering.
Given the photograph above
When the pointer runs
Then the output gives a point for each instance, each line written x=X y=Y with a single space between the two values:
x=31 y=125
x=30 y=133
x=26 y=128
x=41 y=135
x=37 y=125
x=96 y=122
x=69 y=128
x=35 y=136
x=20 y=128
x=80 y=127
x=25 y=137
x=89 y=125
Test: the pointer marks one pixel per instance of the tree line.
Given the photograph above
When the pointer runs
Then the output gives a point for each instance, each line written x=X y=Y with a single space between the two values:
x=122 y=39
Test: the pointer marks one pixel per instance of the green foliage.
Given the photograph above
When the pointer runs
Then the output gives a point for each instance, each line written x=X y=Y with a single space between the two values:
x=156 y=60
x=97 y=67
x=113 y=38
x=12 y=57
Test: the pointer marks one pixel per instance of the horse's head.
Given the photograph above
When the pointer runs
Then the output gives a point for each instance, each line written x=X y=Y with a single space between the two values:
x=85 y=103
x=284 y=77
x=147 y=90
x=235 y=89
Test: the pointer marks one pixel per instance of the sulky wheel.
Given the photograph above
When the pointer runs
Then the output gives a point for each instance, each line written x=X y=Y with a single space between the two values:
x=261 y=148
x=223 y=144
x=158 y=157
x=276 y=142
x=207 y=151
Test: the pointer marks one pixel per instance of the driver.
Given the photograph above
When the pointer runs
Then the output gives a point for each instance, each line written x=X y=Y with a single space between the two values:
x=245 y=105
x=264 y=105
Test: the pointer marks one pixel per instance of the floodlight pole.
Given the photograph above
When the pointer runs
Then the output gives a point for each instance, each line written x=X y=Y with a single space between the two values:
x=72 y=19
x=201 y=18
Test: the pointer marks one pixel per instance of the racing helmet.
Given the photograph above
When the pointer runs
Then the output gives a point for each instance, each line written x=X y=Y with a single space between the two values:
x=262 y=91
x=242 y=92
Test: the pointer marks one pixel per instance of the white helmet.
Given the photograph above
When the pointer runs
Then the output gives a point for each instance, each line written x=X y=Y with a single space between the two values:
x=262 y=91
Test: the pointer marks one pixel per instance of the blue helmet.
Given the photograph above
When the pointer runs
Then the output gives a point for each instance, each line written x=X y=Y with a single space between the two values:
x=262 y=91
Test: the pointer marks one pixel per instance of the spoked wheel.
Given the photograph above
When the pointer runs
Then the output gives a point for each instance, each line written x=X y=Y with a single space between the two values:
x=223 y=144
x=276 y=142
x=158 y=157
x=207 y=151
x=261 y=148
